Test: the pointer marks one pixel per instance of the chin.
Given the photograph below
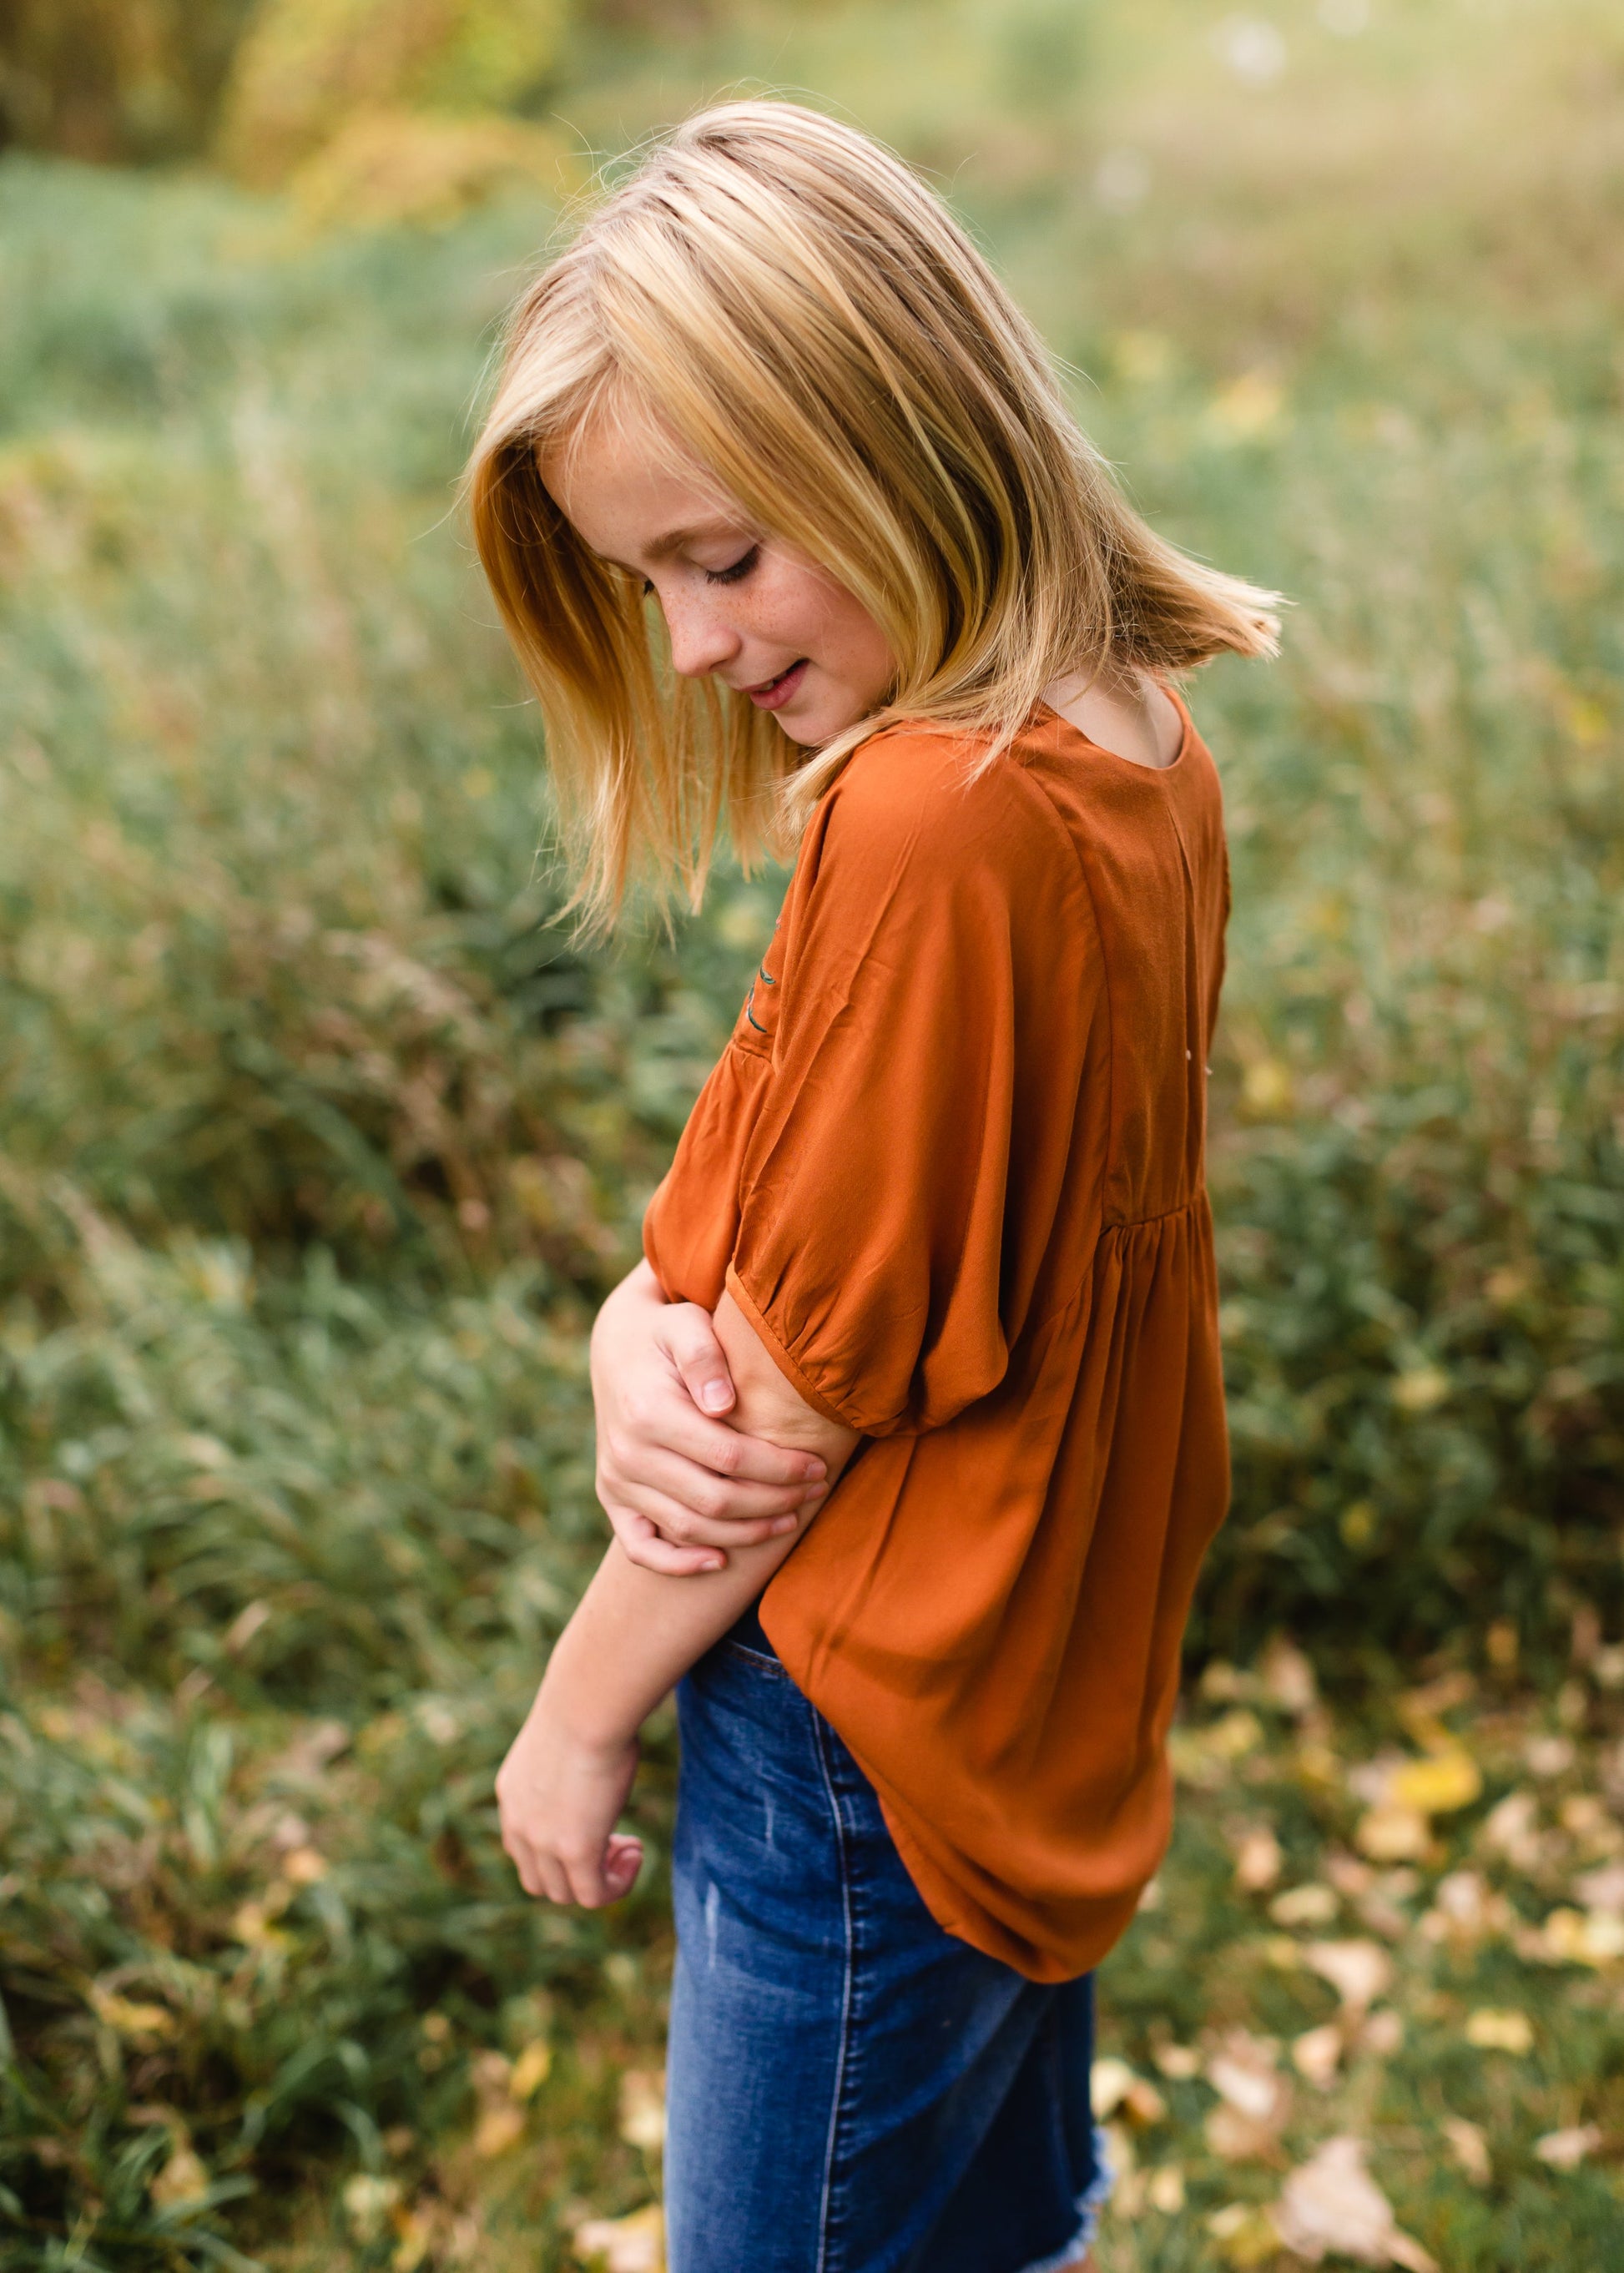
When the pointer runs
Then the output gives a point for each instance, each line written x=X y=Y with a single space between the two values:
x=820 y=723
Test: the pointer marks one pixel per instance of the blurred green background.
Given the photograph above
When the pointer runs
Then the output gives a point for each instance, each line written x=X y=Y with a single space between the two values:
x=321 y=1140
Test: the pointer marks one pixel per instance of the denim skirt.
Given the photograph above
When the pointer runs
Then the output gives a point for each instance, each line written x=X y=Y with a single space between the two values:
x=850 y=2088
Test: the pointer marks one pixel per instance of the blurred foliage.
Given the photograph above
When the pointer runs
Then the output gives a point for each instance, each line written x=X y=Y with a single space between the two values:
x=115 y=79
x=308 y=69
x=322 y=1139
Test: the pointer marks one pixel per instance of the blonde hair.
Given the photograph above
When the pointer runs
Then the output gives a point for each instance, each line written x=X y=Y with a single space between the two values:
x=810 y=326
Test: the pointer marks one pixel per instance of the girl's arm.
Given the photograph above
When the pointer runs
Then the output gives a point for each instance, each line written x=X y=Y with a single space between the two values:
x=635 y=1634
x=682 y=1484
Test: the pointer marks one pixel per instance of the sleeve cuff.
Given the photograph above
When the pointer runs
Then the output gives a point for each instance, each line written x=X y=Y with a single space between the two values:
x=804 y=1388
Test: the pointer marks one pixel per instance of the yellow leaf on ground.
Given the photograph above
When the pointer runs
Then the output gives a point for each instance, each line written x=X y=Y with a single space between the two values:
x=368 y=2201
x=1317 y=2053
x=1439 y=1785
x=635 y=2243
x=1332 y=2206
x=1310 y=1905
x=1359 y=1971
x=183 y=2179
x=1109 y=2084
x=1258 y=1860
x=497 y=2128
x=1570 y=1937
x=642 y=2109
x=1246 y=2236
x=128 y=2019
x=1164 y=2190
x=1388 y=1833
x=1244 y=2073
x=1255 y=2100
x=1565 y=2150
x=531 y=2069
x=1288 y=1677
x=1496 y=2031
x=1470 y=2149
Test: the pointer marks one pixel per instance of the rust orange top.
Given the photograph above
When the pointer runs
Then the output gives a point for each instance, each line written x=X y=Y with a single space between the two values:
x=950 y=1166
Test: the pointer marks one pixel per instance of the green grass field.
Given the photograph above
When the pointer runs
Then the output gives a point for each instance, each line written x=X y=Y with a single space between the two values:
x=321 y=1140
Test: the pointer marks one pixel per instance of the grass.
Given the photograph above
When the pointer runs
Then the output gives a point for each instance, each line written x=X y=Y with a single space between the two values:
x=322 y=1141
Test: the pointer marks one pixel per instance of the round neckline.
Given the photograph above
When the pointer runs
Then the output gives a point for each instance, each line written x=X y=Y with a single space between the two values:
x=1133 y=765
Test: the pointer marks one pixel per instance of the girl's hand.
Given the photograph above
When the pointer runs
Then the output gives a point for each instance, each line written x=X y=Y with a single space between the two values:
x=681 y=1487
x=558 y=1795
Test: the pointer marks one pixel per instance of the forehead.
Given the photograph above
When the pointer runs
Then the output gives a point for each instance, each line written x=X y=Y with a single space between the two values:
x=627 y=486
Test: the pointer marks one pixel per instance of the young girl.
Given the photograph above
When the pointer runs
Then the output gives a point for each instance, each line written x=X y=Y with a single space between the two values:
x=789 y=523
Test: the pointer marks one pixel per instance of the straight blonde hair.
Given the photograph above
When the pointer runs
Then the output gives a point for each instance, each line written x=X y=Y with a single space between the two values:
x=808 y=324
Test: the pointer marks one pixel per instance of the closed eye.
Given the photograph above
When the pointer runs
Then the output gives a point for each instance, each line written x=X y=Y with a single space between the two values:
x=739 y=571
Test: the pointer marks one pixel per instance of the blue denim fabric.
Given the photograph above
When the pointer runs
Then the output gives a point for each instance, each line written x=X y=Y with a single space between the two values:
x=851 y=2090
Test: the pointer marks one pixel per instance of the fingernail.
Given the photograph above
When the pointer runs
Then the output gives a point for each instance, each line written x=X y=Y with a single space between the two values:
x=715 y=1564
x=811 y=1496
x=714 y=1396
x=784 y=1523
x=816 y=1471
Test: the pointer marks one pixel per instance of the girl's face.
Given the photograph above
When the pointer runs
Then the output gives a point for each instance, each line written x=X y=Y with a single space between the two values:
x=738 y=605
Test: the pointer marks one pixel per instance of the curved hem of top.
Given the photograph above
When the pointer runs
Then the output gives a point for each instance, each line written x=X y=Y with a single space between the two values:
x=788 y=1366
x=1090 y=2203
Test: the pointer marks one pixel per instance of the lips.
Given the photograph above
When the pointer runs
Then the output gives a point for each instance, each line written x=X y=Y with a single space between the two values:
x=773 y=692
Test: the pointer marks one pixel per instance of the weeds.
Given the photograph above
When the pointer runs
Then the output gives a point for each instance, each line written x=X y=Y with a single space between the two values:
x=322 y=1141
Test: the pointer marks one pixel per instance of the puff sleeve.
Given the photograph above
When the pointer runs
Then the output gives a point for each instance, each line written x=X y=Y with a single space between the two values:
x=911 y=1145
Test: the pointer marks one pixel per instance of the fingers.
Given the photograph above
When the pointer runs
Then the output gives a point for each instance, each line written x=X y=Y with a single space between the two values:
x=666 y=1422
x=606 y=1875
x=690 y=1340
x=622 y=1865
x=587 y=1877
x=642 y=1544
x=540 y=1873
x=680 y=1526
x=693 y=1509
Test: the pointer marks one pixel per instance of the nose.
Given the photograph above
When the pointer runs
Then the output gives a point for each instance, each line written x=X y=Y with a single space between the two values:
x=702 y=639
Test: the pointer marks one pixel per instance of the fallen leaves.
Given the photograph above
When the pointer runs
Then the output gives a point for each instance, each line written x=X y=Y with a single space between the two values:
x=530 y=2069
x=1331 y=2204
x=1317 y=2054
x=1204 y=1757
x=1310 y=1905
x=1494 y=2029
x=635 y=2243
x=1565 y=2150
x=1254 y=2099
x=1570 y=1937
x=1359 y=1971
x=1469 y=2148
x=1258 y=1860
x=642 y=2109
x=1403 y=1795
x=183 y=2179
x=1115 y=2088
x=139 y=2023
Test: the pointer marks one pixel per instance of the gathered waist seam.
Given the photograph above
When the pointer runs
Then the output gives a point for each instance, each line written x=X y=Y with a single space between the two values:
x=1143 y=1222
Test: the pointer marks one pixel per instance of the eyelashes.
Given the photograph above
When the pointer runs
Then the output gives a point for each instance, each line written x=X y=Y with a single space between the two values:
x=739 y=570
x=734 y=575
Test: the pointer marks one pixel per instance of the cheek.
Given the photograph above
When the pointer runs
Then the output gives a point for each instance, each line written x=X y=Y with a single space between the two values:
x=811 y=612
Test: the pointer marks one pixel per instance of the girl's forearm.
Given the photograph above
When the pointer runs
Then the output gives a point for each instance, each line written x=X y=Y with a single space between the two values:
x=635 y=1635
x=637 y=1631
